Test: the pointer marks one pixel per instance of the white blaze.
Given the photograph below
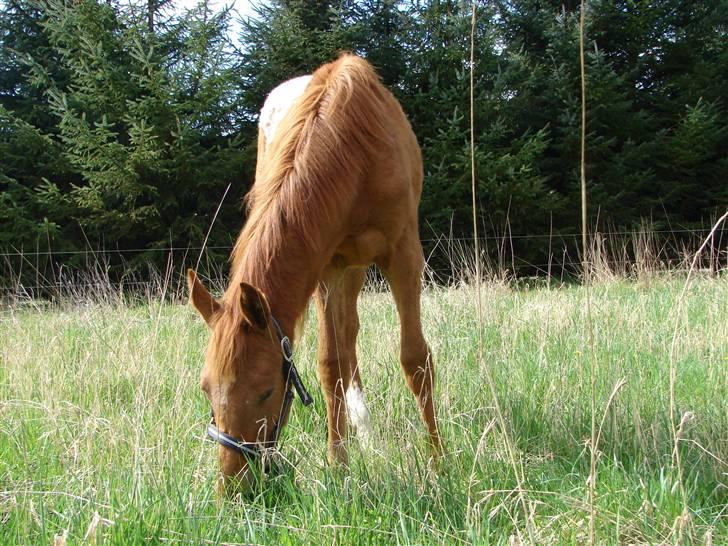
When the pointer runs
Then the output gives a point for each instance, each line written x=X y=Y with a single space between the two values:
x=358 y=412
x=278 y=103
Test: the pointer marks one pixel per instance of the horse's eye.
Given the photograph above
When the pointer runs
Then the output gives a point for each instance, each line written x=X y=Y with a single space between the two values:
x=265 y=396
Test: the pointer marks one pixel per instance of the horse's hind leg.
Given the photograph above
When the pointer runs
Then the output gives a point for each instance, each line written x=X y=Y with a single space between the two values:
x=355 y=403
x=403 y=270
x=336 y=298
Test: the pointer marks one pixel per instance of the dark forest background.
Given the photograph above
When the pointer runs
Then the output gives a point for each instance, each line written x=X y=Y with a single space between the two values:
x=122 y=125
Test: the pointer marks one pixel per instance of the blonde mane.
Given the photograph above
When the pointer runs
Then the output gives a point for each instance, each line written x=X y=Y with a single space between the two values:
x=315 y=165
x=312 y=174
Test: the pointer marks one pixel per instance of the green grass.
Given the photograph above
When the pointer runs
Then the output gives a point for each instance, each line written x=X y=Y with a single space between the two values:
x=101 y=417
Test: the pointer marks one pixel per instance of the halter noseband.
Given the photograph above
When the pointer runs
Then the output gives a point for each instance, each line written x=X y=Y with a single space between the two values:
x=293 y=381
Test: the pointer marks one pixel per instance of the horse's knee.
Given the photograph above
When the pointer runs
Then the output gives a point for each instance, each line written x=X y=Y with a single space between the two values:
x=354 y=329
x=420 y=374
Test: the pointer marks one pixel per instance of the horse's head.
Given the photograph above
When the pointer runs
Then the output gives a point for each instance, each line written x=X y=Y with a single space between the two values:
x=241 y=377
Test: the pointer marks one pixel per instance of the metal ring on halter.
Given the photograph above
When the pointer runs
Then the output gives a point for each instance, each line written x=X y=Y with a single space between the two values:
x=287 y=349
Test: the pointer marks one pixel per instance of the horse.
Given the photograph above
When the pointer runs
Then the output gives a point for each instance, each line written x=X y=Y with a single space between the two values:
x=337 y=187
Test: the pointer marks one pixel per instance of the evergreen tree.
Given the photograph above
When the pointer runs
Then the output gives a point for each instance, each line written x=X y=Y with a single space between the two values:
x=121 y=124
x=29 y=155
x=289 y=38
x=148 y=121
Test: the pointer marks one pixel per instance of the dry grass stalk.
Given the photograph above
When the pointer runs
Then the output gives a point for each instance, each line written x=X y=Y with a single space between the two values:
x=617 y=387
x=587 y=279
x=677 y=429
x=516 y=466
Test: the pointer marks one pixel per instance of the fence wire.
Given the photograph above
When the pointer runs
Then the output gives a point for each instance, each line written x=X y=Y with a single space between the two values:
x=442 y=265
x=441 y=239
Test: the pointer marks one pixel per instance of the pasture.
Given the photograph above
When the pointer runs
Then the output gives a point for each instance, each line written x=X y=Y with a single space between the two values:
x=102 y=425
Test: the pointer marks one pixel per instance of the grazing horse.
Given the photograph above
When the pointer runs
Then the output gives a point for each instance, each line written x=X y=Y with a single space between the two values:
x=338 y=183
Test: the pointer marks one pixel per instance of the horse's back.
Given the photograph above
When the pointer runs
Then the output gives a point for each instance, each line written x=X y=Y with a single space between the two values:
x=390 y=177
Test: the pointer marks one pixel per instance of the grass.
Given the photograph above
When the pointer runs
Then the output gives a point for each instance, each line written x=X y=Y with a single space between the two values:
x=102 y=423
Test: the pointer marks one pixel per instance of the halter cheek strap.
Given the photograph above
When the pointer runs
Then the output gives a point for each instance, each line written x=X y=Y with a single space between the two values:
x=253 y=450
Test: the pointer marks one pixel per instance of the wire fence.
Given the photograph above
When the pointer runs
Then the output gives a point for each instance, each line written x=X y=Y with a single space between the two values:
x=440 y=239
x=38 y=272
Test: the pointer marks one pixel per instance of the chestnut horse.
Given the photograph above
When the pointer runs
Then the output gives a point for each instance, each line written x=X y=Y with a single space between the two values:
x=337 y=187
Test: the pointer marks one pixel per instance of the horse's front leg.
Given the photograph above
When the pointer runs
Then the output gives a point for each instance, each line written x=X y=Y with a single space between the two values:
x=338 y=327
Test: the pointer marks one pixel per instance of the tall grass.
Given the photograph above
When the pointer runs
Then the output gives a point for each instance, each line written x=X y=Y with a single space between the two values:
x=102 y=422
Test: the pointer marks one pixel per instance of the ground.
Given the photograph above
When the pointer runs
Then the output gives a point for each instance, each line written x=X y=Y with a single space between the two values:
x=102 y=425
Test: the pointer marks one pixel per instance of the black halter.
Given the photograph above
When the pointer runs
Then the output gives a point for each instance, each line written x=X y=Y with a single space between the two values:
x=293 y=381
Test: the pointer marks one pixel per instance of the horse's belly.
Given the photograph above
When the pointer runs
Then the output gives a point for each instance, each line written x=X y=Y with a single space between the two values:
x=361 y=249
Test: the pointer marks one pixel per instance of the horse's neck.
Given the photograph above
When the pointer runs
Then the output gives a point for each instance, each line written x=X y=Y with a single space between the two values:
x=288 y=279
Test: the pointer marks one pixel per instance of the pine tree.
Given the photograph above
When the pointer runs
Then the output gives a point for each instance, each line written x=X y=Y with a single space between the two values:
x=146 y=122
x=29 y=155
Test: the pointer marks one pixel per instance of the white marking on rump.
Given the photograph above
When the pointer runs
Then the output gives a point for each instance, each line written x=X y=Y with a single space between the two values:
x=358 y=412
x=279 y=102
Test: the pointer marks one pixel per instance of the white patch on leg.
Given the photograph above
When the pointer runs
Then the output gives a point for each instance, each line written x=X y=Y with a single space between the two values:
x=278 y=103
x=358 y=413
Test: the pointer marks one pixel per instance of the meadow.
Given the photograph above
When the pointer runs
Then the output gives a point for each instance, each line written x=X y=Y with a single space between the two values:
x=102 y=425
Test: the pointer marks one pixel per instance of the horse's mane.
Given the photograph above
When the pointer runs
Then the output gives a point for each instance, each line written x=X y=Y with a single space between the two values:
x=312 y=173
x=316 y=161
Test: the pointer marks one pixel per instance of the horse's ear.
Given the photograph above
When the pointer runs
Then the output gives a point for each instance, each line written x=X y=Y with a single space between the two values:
x=200 y=298
x=254 y=306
